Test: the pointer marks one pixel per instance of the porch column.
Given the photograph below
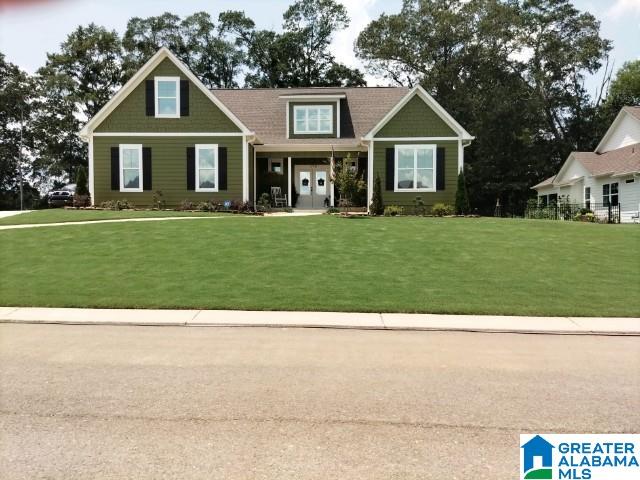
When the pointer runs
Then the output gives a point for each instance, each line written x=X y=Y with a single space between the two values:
x=331 y=173
x=369 y=175
x=254 y=176
x=289 y=190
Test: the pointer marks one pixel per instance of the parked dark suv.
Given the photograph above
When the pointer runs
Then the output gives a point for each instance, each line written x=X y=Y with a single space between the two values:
x=60 y=198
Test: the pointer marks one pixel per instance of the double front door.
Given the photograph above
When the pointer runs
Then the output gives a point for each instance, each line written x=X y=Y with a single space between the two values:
x=313 y=186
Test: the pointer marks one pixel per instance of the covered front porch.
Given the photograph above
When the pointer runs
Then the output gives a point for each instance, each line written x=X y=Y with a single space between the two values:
x=304 y=177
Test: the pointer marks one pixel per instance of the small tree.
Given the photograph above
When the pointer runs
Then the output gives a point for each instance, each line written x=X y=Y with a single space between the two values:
x=81 y=196
x=462 y=199
x=348 y=182
x=81 y=182
x=377 y=206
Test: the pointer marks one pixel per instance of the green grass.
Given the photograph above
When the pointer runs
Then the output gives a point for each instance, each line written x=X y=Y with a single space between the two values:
x=58 y=215
x=472 y=266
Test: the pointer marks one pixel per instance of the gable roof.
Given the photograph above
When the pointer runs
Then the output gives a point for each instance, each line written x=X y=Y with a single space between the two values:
x=263 y=110
x=615 y=162
x=622 y=161
x=432 y=103
x=631 y=111
x=140 y=75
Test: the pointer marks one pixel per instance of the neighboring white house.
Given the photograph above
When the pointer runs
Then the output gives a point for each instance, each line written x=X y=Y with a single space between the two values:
x=609 y=175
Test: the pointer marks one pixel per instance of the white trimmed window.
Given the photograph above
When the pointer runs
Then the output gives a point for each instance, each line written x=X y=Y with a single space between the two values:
x=130 y=168
x=206 y=168
x=415 y=168
x=610 y=194
x=167 y=97
x=313 y=119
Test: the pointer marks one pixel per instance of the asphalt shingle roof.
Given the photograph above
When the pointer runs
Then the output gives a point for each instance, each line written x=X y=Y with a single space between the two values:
x=634 y=111
x=619 y=161
x=263 y=110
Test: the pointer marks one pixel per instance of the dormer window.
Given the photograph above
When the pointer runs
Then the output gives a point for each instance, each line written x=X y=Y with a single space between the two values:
x=167 y=97
x=313 y=119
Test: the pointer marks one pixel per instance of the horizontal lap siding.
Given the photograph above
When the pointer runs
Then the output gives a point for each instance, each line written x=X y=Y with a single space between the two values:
x=130 y=115
x=448 y=195
x=169 y=169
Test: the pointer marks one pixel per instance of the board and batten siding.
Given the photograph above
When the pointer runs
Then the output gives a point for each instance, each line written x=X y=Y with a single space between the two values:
x=130 y=115
x=169 y=169
x=406 y=199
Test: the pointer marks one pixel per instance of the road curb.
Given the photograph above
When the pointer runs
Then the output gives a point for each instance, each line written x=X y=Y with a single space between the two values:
x=329 y=320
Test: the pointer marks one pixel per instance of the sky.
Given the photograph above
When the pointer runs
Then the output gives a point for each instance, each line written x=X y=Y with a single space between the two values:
x=33 y=28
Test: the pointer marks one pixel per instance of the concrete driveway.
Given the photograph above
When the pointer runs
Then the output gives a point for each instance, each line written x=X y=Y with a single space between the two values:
x=171 y=402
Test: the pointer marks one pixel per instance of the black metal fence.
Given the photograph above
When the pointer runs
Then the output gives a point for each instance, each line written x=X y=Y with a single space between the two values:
x=592 y=212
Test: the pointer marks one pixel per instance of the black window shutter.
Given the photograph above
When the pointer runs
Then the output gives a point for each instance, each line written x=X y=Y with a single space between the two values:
x=115 y=168
x=146 y=168
x=390 y=171
x=440 y=168
x=222 y=168
x=150 y=98
x=184 y=98
x=191 y=168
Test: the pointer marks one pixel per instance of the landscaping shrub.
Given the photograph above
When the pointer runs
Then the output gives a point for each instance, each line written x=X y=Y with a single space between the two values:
x=442 y=209
x=117 y=205
x=377 y=206
x=333 y=210
x=462 y=198
x=393 y=210
x=186 y=205
x=586 y=216
x=204 y=207
x=158 y=200
x=419 y=208
x=81 y=196
x=264 y=202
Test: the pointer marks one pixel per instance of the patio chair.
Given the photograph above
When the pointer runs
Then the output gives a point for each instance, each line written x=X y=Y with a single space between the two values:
x=636 y=217
x=279 y=200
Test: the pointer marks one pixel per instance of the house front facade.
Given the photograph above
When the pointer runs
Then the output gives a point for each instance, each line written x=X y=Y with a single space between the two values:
x=610 y=175
x=165 y=131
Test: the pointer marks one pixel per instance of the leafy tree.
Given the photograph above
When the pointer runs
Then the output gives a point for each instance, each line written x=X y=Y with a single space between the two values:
x=462 y=200
x=91 y=60
x=377 y=205
x=16 y=107
x=511 y=71
x=348 y=183
x=144 y=36
x=624 y=90
x=300 y=55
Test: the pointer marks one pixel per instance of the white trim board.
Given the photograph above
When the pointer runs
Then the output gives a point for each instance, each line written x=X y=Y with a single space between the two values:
x=430 y=102
x=417 y=139
x=139 y=76
x=168 y=134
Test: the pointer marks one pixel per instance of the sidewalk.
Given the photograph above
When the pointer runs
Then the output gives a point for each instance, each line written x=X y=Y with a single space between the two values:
x=374 y=321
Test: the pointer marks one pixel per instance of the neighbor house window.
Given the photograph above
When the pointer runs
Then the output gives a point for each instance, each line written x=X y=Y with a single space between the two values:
x=553 y=198
x=313 y=119
x=275 y=166
x=543 y=200
x=610 y=194
x=415 y=168
x=206 y=168
x=587 y=197
x=130 y=168
x=167 y=97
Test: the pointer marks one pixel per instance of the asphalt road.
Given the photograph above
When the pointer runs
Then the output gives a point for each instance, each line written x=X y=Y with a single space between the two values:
x=97 y=402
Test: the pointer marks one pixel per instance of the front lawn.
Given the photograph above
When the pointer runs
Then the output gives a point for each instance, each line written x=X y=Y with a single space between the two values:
x=473 y=266
x=59 y=215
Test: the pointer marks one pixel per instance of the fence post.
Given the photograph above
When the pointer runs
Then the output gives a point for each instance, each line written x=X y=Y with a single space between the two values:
x=609 y=217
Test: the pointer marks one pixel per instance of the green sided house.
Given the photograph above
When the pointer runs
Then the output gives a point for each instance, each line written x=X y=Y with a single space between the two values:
x=164 y=130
